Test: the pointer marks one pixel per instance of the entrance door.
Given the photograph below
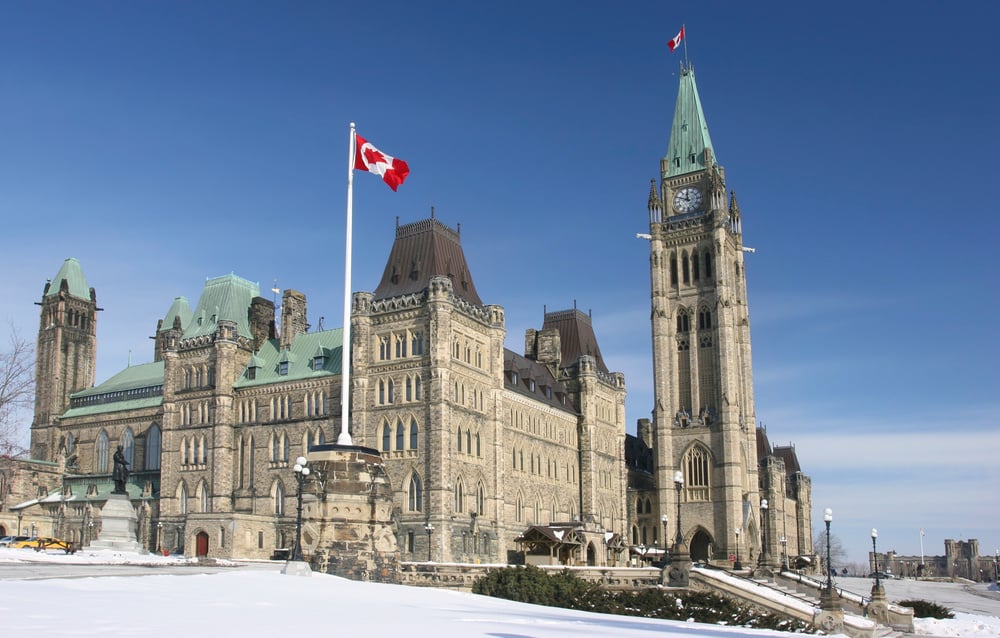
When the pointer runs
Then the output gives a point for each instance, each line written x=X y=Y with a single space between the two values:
x=700 y=544
x=201 y=544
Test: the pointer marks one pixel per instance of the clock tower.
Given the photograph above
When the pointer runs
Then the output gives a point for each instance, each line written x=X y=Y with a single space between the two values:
x=703 y=413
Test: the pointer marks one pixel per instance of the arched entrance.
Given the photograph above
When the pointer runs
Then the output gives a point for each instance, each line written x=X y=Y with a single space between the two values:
x=701 y=544
x=201 y=544
x=591 y=555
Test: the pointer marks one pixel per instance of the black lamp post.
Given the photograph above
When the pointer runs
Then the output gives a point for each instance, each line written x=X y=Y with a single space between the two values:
x=429 y=529
x=763 y=532
x=827 y=519
x=679 y=483
x=878 y=581
x=666 y=536
x=784 y=553
x=737 y=564
x=159 y=537
x=301 y=474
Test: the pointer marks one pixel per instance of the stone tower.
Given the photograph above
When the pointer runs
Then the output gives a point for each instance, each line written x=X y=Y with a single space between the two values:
x=65 y=355
x=703 y=414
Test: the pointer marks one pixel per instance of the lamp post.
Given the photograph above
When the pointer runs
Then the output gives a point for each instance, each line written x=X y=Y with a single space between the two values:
x=996 y=566
x=429 y=529
x=737 y=564
x=784 y=553
x=679 y=483
x=666 y=537
x=827 y=599
x=878 y=581
x=159 y=537
x=301 y=474
x=763 y=532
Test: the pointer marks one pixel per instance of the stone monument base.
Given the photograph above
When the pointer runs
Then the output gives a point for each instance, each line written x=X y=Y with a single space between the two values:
x=296 y=568
x=117 y=527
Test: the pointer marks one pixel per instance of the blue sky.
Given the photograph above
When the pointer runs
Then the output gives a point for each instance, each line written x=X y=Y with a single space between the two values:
x=161 y=143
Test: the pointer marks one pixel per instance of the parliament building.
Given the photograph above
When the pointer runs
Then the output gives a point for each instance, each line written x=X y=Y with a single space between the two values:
x=492 y=455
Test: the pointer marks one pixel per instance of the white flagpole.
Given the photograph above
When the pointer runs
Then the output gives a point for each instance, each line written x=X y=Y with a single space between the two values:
x=345 y=350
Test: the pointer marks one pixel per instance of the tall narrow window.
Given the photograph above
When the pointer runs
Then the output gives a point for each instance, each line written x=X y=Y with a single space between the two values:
x=459 y=497
x=413 y=434
x=416 y=494
x=102 y=452
x=697 y=464
x=386 y=437
x=400 y=435
x=128 y=447
x=154 y=439
x=416 y=388
x=673 y=269
x=708 y=265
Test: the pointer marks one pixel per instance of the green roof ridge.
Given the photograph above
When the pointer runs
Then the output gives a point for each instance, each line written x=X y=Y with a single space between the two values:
x=299 y=357
x=225 y=298
x=689 y=136
x=179 y=308
x=72 y=274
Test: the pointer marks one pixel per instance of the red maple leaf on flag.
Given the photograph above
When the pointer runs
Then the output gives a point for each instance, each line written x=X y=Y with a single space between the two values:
x=373 y=155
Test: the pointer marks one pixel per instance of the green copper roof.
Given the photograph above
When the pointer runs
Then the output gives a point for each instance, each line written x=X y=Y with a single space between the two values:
x=72 y=274
x=179 y=308
x=139 y=386
x=223 y=298
x=689 y=134
x=299 y=359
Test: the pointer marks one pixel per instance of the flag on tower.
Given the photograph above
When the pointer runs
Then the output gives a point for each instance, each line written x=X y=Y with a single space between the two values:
x=393 y=171
x=677 y=40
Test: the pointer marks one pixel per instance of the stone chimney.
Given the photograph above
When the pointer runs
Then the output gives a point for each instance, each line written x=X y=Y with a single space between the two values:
x=261 y=321
x=293 y=317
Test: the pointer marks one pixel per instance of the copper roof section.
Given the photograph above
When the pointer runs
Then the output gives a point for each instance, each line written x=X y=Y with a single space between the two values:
x=533 y=379
x=576 y=335
x=423 y=250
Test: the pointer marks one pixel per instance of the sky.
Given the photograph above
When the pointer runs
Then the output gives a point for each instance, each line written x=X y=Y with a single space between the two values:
x=163 y=143
x=258 y=600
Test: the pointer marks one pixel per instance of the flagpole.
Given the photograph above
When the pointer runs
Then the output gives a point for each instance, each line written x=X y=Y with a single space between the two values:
x=684 y=31
x=345 y=350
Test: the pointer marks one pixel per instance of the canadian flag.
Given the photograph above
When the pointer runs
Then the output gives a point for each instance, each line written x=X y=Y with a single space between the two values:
x=677 y=40
x=368 y=158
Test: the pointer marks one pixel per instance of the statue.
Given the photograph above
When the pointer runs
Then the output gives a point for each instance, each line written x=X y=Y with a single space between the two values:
x=120 y=472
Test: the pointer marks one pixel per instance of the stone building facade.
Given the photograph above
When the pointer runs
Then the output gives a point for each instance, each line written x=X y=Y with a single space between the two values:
x=703 y=424
x=478 y=443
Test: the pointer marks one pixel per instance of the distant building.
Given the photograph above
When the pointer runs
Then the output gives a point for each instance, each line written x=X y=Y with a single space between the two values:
x=961 y=560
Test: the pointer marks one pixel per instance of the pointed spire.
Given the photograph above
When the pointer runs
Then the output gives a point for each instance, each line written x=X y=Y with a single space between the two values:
x=690 y=147
x=734 y=207
x=655 y=207
x=71 y=276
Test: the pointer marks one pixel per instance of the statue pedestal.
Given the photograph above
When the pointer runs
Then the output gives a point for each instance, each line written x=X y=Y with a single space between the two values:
x=878 y=608
x=675 y=573
x=296 y=568
x=117 y=527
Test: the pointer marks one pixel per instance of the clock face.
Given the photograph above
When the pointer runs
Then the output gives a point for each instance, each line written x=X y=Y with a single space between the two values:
x=687 y=200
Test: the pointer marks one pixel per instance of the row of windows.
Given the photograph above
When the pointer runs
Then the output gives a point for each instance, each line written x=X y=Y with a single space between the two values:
x=535 y=466
x=533 y=424
x=464 y=500
x=691 y=267
x=399 y=345
x=532 y=386
x=476 y=397
x=103 y=447
x=199 y=376
x=401 y=435
x=469 y=353
x=473 y=445
x=684 y=320
x=197 y=413
x=412 y=390
x=194 y=451
x=282 y=408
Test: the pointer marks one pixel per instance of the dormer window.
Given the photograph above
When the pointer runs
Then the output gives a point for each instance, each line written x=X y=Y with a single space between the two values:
x=513 y=378
x=531 y=385
x=252 y=373
x=548 y=391
x=283 y=368
x=318 y=362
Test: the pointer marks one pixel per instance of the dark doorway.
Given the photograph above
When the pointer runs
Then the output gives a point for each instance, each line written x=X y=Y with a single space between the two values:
x=591 y=555
x=201 y=544
x=701 y=544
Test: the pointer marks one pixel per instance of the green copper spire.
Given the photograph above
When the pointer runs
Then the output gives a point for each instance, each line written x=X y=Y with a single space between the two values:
x=72 y=274
x=689 y=138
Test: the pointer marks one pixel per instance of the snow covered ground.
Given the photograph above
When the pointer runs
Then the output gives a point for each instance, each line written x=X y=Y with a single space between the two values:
x=260 y=601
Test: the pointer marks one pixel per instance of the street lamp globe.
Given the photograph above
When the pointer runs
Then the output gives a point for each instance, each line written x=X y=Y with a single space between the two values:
x=878 y=582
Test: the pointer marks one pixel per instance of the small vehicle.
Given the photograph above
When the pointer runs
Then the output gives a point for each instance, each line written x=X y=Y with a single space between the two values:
x=7 y=541
x=39 y=543
x=883 y=575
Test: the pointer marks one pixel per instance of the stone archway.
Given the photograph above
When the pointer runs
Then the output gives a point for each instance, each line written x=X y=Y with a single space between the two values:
x=591 y=555
x=701 y=546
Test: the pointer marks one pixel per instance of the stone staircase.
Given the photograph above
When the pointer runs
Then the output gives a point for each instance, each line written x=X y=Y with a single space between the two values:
x=799 y=597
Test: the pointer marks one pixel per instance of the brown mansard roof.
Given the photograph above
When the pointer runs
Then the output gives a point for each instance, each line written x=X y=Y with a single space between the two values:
x=423 y=250
x=576 y=335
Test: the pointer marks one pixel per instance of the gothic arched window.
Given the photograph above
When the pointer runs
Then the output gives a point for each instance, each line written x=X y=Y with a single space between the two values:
x=102 y=452
x=415 y=494
x=154 y=440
